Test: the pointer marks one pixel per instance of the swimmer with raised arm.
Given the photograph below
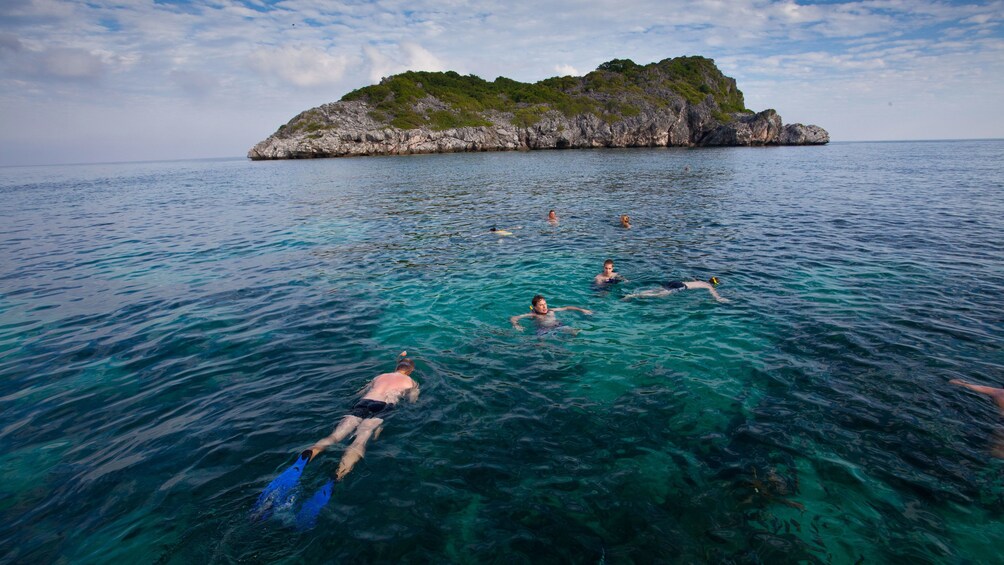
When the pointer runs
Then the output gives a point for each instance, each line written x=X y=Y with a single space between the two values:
x=997 y=395
x=673 y=287
x=543 y=316
x=608 y=276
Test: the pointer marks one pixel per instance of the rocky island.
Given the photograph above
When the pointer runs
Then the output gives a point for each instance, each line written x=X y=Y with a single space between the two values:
x=679 y=102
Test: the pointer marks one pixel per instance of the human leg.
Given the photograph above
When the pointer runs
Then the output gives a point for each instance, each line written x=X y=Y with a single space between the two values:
x=356 y=451
x=648 y=294
x=342 y=431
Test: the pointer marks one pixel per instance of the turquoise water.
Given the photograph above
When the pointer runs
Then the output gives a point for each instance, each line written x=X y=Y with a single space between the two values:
x=171 y=334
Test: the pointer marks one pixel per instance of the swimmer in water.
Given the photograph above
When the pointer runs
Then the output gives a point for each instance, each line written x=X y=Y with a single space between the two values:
x=552 y=217
x=673 y=287
x=364 y=420
x=997 y=395
x=626 y=221
x=608 y=276
x=502 y=233
x=544 y=316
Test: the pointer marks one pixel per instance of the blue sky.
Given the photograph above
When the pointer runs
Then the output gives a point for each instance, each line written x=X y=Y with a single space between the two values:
x=120 y=80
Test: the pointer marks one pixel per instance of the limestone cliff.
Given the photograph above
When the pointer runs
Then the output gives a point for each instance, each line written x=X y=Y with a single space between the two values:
x=684 y=101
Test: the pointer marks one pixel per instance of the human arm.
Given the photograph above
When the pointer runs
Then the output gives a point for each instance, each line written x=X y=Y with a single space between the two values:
x=996 y=393
x=515 y=321
x=576 y=308
x=708 y=286
x=413 y=394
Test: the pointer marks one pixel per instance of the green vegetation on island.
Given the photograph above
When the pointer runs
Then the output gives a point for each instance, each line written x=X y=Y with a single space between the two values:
x=617 y=90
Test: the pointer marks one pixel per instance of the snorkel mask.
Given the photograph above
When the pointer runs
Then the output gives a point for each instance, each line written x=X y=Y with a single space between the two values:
x=713 y=281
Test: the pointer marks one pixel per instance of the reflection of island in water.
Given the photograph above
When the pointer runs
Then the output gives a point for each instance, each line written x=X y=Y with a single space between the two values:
x=679 y=102
x=997 y=394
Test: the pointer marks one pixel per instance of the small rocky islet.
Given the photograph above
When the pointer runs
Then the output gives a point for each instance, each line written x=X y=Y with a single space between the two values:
x=677 y=102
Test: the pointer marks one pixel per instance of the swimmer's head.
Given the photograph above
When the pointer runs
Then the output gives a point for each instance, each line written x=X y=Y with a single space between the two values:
x=551 y=215
x=538 y=304
x=494 y=229
x=713 y=281
x=405 y=365
x=625 y=220
x=608 y=265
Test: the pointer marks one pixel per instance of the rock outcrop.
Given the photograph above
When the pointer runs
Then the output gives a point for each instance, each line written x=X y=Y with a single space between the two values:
x=676 y=102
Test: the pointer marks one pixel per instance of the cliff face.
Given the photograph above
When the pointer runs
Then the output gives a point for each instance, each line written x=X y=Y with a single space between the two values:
x=676 y=102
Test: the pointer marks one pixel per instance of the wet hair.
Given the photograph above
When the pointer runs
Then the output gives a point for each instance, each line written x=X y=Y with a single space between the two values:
x=405 y=363
x=537 y=298
x=608 y=262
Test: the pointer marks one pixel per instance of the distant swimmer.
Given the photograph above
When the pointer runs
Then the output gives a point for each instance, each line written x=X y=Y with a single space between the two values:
x=552 y=217
x=626 y=221
x=673 y=287
x=608 y=276
x=500 y=232
x=544 y=317
x=365 y=419
x=997 y=394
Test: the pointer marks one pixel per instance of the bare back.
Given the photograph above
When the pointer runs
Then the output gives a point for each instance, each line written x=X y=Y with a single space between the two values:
x=390 y=387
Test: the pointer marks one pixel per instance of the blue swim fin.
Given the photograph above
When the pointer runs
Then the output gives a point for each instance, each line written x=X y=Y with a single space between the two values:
x=307 y=516
x=279 y=490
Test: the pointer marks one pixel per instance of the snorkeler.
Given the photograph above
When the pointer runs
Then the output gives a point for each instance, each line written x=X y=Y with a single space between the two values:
x=502 y=233
x=997 y=394
x=365 y=418
x=608 y=276
x=544 y=316
x=625 y=221
x=673 y=287
x=552 y=217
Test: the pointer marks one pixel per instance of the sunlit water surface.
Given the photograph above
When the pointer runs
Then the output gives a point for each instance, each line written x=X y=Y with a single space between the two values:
x=171 y=334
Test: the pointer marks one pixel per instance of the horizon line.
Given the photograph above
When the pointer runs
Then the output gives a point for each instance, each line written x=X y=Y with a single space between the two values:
x=236 y=157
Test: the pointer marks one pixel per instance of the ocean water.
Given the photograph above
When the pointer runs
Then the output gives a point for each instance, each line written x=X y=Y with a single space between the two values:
x=172 y=334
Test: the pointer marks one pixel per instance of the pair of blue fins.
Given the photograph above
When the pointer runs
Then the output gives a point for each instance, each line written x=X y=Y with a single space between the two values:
x=281 y=493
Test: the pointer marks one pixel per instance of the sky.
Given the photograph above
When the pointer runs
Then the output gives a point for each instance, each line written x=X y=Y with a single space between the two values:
x=128 y=80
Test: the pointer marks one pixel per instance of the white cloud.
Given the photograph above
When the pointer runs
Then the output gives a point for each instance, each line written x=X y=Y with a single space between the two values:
x=566 y=70
x=118 y=57
x=301 y=66
x=56 y=63
x=392 y=59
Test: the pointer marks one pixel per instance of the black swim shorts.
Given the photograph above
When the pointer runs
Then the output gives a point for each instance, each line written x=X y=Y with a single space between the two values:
x=367 y=408
x=674 y=286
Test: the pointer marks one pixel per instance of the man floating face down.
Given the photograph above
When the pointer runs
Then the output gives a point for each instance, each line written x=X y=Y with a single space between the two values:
x=365 y=418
